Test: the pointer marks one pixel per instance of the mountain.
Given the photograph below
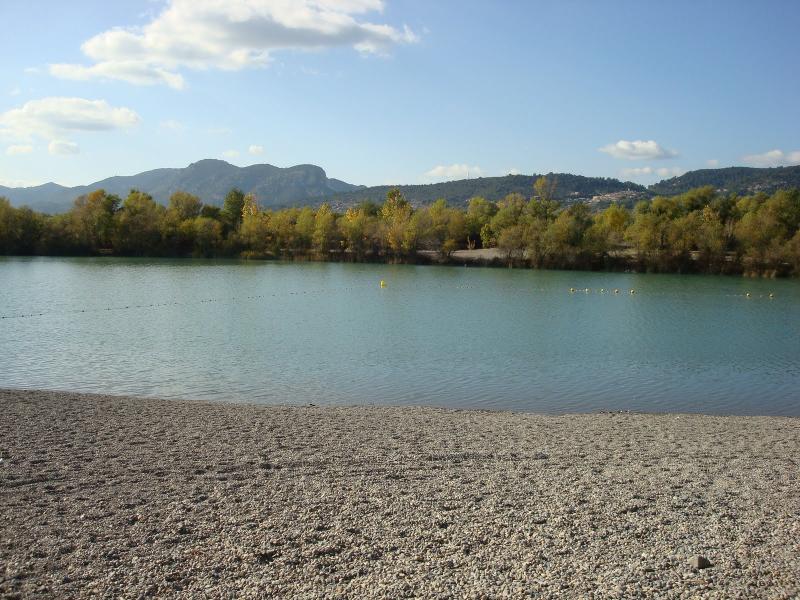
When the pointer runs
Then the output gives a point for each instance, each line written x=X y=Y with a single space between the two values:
x=277 y=187
x=208 y=179
x=740 y=180
x=570 y=188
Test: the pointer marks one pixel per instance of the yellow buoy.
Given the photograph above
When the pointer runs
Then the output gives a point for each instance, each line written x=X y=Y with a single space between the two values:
x=383 y=283
x=771 y=295
x=747 y=294
x=633 y=292
x=571 y=290
x=616 y=290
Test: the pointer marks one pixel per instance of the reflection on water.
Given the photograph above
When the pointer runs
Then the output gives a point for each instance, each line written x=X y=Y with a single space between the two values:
x=472 y=338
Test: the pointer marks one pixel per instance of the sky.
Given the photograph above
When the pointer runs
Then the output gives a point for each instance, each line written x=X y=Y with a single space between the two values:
x=397 y=91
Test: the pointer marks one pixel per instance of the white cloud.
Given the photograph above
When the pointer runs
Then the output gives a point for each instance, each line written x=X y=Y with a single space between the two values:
x=230 y=153
x=773 y=158
x=512 y=171
x=638 y=150
x=454 y=171
x=256 y=149
x=130 y=71
x=51 y=118
x=712 y=162
x=651 y=172
x=63 y=148
x=32 y=70
x=19 y=149
x=18 y=183
x=229 y=35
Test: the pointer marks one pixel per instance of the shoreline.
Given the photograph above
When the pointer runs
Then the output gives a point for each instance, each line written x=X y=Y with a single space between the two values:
x=122 y=496
x=489 y=258
x=390 y=407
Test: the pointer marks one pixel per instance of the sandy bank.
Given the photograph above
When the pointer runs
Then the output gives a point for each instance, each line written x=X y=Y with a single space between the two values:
x=120 y=497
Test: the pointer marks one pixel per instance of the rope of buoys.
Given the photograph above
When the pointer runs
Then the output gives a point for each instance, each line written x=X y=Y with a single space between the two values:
x=382 y=285
x=78 y=311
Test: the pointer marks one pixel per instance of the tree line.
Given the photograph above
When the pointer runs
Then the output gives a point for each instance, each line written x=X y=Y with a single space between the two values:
x=701 y=230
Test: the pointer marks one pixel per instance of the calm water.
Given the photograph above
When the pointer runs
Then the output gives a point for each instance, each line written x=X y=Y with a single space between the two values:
x=461 y=337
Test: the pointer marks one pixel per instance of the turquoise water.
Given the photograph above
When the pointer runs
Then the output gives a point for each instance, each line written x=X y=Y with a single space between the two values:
x=461 y=337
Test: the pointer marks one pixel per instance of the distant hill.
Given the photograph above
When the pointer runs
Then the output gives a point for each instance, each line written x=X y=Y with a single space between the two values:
x=277 y=187
x=208 y=179
x=571 y=188
x=740 y=180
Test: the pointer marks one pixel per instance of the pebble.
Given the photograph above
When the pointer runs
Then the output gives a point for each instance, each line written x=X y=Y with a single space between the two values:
x=700 y=562
x=177 y=502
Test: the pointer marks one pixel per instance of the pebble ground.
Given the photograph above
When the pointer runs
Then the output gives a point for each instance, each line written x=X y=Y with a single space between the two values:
x=114 y=497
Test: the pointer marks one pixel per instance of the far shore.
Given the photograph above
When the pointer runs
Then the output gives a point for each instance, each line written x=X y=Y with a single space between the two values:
x=104 y=496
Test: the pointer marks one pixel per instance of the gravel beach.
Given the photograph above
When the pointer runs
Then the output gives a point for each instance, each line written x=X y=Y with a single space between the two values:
x=127 y=497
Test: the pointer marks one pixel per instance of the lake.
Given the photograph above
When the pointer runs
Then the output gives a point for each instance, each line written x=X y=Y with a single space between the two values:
x=298 y=333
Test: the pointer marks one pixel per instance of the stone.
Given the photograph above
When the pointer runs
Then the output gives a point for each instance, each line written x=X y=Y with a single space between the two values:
x=700 y=562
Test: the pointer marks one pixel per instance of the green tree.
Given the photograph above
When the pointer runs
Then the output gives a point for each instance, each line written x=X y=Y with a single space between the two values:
x=479 y=212
x=232 y=208
x=138 y=227
x=183 y=206
x=544 y=189
x=8 y=227
x=325 y=236
x=395 y=217
x=358 y=229
x=565 y=235
x=93 y=220
x=255 y=231
x=178 y=223
x=304 y=228
x=207 y=236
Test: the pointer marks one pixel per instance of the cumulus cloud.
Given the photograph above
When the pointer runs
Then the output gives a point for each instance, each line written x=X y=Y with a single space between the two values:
x=454 y=171
x=638 y=150
x=19 y=149
x=124 y=70
x=650 y=172
x=256 y=149
x=712 y=162
x=229 y=35
x=230 y=153
x=63 y=147
x=50 y=118
x=773 y=158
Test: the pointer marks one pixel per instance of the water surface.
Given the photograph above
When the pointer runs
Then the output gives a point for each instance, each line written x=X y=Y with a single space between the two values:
x=276 y=332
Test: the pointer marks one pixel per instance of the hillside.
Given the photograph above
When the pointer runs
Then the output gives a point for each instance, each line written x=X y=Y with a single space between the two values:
x=740 y=180
x=208 y=179
x=277 y=187
x=570 y=188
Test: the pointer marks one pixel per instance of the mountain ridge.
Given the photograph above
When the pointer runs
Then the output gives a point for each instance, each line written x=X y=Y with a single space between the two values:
x=307 y=184
x=209 y=179
x=738 y=180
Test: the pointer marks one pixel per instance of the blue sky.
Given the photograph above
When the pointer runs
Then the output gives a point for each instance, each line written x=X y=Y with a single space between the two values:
x=399 y=91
